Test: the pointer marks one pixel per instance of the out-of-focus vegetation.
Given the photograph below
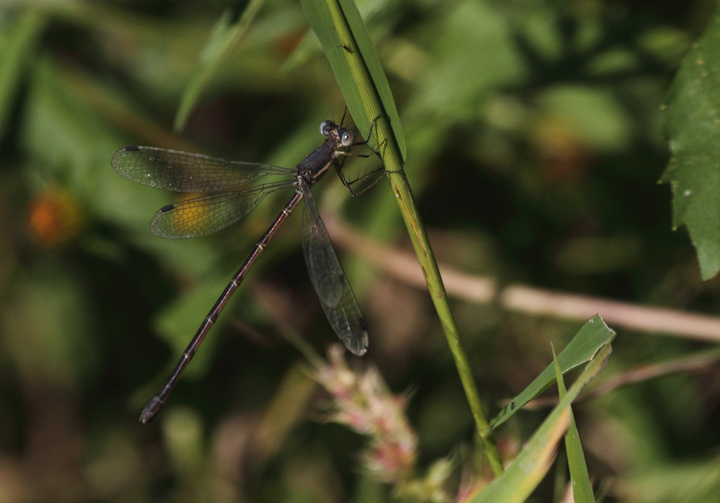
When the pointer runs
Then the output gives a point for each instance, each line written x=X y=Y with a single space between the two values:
x=534 y=147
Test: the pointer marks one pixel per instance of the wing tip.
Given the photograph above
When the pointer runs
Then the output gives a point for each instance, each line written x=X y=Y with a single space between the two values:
x=359 y=351
x=359 y=345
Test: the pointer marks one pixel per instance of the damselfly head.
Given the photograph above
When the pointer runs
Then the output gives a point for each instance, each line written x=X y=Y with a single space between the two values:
x=329 y=128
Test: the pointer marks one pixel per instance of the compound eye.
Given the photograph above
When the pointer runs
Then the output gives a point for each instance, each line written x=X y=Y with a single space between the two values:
x=326 y=127
x=347 y=138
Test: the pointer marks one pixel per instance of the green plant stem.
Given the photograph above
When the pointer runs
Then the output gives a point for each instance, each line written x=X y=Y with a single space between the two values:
x=418 y=236
x=392 y=160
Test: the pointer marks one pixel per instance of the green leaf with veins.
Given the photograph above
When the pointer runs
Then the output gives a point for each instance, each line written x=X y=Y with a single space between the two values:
x=692 y=128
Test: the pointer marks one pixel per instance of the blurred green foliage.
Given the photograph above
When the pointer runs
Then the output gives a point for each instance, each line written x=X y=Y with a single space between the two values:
x=534 y=146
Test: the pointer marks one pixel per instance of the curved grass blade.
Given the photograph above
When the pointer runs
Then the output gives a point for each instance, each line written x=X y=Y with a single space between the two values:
x=527 y=470
x=593 y=336
x=226 y=35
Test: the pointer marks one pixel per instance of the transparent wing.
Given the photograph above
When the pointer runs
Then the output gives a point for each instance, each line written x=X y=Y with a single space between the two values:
x=186 y=172
x=329 y=280
x=204 y=215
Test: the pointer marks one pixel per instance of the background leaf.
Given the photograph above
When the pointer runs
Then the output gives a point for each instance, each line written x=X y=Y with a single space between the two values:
x=693 y=127
x=15 y=53
x=226 y=35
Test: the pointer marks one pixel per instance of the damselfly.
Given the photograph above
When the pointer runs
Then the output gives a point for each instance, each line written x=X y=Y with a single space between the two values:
x=227 y=202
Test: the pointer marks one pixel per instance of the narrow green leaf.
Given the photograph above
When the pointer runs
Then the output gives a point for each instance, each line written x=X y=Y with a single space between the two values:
x=321 y=21
x=528 y=469
x=582 y=489
x=225 y=36
x=14 y=55
x=592 y=336
x=558 y=375
x=354 y=62
x=692 y=128
x=377 y=74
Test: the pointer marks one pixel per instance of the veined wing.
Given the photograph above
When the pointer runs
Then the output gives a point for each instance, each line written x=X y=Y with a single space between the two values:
x=204 y=215
x=186 y=172
x=329 y=280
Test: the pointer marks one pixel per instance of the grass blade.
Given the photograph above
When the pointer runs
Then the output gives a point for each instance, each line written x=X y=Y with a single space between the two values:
x=582 y=489
x=587 y=342
x=225 y=37
x=528 y=469
x=15 y=54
